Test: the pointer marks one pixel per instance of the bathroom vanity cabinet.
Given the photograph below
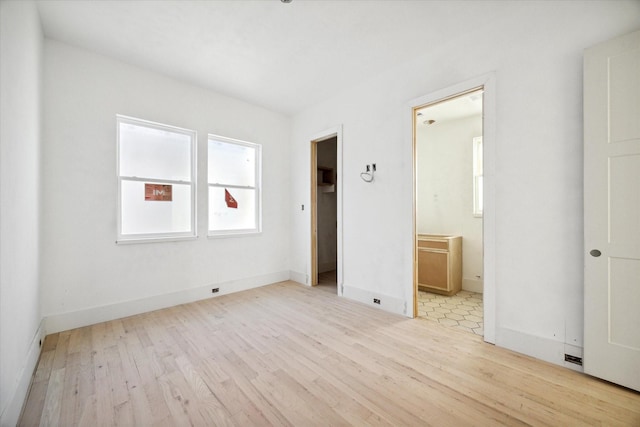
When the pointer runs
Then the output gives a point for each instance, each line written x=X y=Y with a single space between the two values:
x=439 y=263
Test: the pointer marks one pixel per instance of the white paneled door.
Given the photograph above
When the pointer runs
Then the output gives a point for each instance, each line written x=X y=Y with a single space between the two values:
x=612 y=211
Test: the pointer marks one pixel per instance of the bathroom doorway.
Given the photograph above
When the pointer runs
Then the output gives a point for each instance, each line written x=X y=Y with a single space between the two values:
x=449 y=205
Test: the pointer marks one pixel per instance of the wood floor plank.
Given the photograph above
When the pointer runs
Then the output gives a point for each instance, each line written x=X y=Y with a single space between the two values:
x=50 y=342
x=53 y=400
x=116 y=376
x=77 y=389
x=105 y=407
x=60 y=357
x=140 y=406
x=36 y=401
x=123 y=414
x=157 y=404
x=175 y=400
x=45 y=364
x=88 y=412
x=289 y=355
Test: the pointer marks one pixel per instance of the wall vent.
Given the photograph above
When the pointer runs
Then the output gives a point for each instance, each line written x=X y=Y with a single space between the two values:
x=573 y=359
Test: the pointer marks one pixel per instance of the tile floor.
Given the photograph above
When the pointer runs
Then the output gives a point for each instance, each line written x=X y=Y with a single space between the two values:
x=462 y=310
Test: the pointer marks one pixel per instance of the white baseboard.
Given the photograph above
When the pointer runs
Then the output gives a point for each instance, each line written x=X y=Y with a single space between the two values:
x=298 y=277
x=387 y=303
x=573 y=350
x=541 y=348
x=11 y=413
x=76 y=319
x=473 y=285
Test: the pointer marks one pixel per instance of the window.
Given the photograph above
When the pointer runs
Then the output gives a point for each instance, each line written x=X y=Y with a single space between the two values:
x=477 y=177
x=234 y=186
x=156 y=181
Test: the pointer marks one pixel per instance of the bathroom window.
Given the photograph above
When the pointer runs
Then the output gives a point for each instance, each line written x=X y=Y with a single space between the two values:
x=234 y=186
x=156 y=181
x=477 y=177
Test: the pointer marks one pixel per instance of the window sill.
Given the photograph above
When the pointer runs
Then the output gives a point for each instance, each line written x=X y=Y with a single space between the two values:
x=233 y=234
x=136 y=240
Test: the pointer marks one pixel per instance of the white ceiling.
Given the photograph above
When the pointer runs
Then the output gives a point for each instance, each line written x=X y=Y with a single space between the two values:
x=281 y=56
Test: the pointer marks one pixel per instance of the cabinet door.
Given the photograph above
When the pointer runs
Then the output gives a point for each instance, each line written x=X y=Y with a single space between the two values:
x=433 y=269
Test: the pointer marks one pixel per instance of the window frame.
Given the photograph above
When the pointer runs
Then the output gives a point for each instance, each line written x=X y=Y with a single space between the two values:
x=165 y=236
x=257 y=187
x=478 y=177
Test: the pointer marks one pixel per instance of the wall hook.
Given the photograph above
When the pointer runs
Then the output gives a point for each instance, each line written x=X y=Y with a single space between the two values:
x=367 y=175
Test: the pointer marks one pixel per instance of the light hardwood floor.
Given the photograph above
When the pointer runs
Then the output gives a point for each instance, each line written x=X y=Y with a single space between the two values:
x=286 y=354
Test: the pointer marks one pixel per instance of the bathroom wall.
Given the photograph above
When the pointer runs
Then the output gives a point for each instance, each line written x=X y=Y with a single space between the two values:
x=444 y=198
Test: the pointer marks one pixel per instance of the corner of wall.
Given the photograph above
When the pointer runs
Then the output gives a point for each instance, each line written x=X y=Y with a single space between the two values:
x=378 y=300
x=12 y=412
x=541 y=348
x=473 y=285
x=298 y=277
x=22 y=327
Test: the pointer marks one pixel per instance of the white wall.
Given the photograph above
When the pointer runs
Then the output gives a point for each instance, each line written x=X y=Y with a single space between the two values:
x=444 y=189
x=20 y=102
x=535 y=50
x=87 y=277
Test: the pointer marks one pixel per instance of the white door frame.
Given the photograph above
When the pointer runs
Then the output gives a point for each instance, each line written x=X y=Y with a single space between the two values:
x=313 y=261
x=486 y=81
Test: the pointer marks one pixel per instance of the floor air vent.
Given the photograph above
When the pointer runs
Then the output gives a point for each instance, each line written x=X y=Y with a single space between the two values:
x=573 y=359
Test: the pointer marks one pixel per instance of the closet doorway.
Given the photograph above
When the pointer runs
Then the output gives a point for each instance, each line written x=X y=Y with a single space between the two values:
x=449 y=203
x=325 y=208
